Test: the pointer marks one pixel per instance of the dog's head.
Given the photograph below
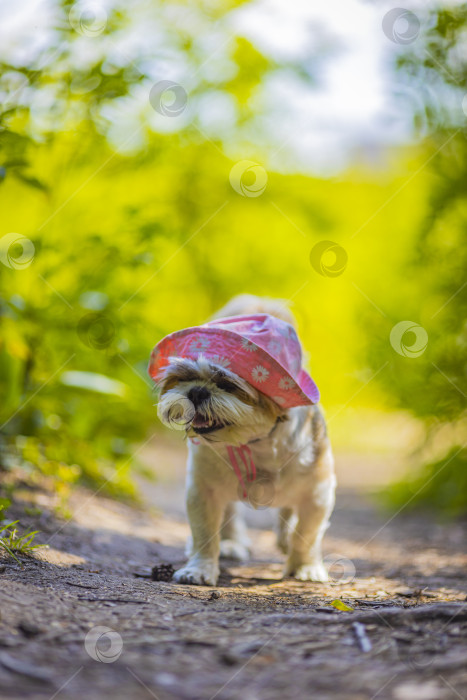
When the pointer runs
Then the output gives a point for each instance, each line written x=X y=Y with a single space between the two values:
x=213 y=403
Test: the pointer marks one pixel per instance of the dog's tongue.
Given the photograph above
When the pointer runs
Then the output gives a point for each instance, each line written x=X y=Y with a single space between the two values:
x=200 y=421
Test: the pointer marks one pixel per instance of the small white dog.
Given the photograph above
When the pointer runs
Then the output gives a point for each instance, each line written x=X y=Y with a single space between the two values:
x=236 y=386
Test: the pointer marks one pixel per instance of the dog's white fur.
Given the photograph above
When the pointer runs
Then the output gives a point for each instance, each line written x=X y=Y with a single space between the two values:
x=290 y=449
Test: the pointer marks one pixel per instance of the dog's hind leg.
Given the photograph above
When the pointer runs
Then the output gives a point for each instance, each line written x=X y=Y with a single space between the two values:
x=235 y=543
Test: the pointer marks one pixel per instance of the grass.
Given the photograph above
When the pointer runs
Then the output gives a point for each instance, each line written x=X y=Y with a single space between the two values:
x=13 y=542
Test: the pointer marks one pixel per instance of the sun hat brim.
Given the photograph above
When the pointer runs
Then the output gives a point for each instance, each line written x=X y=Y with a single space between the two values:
x=277 y=373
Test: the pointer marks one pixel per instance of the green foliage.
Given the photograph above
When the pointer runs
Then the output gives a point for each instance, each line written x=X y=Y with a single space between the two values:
x=433 y=288
x=441 y=485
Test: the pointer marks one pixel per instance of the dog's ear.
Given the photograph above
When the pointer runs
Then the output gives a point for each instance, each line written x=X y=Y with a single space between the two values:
x=271 y=407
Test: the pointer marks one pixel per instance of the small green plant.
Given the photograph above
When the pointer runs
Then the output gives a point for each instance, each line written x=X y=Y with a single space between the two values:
x=12 y=542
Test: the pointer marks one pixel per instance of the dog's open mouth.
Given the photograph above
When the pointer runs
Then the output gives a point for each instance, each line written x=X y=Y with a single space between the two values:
x=203 y=425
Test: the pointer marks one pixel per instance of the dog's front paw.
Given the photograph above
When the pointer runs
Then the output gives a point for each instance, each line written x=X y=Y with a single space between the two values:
x=201 y=573
x=306 y=571
x=312 y=572
x=232 y=549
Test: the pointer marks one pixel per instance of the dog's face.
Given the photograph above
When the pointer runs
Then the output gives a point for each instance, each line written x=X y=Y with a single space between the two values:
x=213 y=403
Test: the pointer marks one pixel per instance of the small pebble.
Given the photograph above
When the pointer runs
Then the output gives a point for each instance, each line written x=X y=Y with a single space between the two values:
x=162 y=572
x=29 y=629
x=215 y=595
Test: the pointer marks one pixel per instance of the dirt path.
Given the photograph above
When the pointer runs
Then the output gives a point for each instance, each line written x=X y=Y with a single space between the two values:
x=255 y=637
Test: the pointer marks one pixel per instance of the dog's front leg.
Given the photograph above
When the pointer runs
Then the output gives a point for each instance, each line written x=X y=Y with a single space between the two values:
x=205 y=510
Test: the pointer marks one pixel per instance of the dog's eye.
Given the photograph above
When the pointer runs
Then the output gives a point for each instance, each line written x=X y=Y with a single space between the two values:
x=225 y=385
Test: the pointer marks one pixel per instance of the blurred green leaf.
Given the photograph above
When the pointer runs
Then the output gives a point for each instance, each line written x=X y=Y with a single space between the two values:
x=340 y=605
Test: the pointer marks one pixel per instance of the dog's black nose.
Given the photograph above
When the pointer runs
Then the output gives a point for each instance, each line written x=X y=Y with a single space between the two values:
x=198 y=394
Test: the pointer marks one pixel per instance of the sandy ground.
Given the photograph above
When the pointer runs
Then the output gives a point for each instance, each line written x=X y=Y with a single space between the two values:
x=82 y=618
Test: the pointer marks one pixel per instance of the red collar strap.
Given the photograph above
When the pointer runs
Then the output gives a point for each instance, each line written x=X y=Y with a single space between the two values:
x=245 y=453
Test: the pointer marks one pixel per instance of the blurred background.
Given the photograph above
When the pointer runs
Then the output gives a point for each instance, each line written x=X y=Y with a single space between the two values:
x=157 y=158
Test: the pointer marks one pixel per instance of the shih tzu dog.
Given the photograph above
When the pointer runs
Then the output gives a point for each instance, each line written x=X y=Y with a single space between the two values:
x=237 y=387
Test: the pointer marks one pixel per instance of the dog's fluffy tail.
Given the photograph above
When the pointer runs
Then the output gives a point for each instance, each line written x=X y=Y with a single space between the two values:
x=248 y=304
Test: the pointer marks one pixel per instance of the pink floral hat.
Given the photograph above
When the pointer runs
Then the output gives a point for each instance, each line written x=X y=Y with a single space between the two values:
x=261 y=349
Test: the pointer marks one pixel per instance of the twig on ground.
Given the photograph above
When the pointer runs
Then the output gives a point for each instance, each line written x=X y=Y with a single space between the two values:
x=362 y=637
x=115 y=600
